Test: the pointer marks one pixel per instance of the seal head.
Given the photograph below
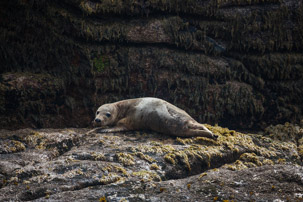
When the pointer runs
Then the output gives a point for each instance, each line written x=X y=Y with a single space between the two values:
x=105 y=115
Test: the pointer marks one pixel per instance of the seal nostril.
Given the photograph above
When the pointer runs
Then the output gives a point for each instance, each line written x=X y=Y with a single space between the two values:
x=97 y=120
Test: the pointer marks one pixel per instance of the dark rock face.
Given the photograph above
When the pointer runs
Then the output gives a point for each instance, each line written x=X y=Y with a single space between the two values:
x=237 y=63
x=67 y=164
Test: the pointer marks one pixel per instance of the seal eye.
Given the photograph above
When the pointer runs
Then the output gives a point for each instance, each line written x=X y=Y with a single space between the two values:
x=97 y=113
x=108 y=114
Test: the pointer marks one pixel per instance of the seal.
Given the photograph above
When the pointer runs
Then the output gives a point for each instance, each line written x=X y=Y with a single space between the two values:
x=149 y=114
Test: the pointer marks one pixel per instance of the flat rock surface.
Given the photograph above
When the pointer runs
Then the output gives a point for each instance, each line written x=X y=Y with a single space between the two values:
x=68 y=164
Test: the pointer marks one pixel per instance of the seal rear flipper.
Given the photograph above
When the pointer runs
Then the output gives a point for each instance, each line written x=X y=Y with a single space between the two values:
x=201 y=133
x=197 y=126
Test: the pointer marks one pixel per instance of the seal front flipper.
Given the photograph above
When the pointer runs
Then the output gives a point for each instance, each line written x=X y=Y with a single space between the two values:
x=113 y=130
x=93 y=131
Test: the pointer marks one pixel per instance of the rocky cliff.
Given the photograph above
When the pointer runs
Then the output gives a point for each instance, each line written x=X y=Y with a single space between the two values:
x=236 y=63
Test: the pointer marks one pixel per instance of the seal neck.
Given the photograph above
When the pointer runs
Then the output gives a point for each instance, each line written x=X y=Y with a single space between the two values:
x=121 y=110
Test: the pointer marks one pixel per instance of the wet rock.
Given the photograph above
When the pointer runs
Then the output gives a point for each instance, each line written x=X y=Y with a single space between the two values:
x=64 y=164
